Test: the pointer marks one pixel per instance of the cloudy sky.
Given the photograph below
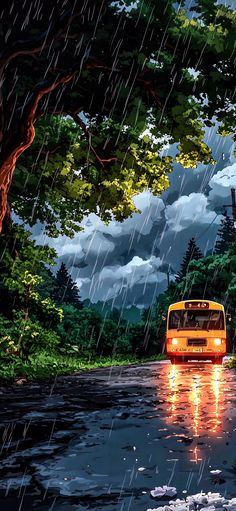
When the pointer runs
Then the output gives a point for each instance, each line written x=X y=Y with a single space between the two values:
x=126 y=263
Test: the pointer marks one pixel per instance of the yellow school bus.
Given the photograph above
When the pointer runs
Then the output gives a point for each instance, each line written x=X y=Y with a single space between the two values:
x=196 y=329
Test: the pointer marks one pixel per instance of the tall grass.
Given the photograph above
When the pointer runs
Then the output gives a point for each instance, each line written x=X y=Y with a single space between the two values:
x=45 y=366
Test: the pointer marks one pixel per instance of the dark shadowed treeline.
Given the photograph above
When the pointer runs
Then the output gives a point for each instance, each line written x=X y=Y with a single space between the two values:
x=212 y=277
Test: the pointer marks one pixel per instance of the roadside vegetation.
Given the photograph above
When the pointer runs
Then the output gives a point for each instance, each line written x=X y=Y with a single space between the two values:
x=45 y=330
x=231 y=364
x=45 y=366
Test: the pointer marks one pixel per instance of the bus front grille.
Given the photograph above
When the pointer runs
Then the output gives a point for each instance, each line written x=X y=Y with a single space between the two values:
x=197 y=342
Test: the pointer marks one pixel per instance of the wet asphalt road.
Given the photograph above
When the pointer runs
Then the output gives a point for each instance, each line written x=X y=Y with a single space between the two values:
x=102 y=440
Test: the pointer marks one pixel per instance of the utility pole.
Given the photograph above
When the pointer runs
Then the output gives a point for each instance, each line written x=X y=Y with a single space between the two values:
x=168 y=277
x=233 y=207
x=233 y=203
x=169 y=271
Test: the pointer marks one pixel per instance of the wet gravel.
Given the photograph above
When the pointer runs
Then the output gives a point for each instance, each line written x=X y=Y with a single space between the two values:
x=103 y=439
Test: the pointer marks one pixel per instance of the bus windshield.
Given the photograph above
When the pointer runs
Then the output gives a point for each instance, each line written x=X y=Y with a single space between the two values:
x=191 y=320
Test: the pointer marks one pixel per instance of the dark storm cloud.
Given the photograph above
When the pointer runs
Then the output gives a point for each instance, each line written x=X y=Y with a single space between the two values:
x=132 y=284
x=185 y=181
x=126 y=263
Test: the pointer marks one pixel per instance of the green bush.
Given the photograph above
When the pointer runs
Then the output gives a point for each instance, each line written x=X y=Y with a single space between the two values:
x=123 y=345
x=24 y=337
x=80 y=329
x=107 y=338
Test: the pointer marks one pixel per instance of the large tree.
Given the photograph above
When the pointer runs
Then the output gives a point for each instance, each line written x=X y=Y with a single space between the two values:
x=120 y=60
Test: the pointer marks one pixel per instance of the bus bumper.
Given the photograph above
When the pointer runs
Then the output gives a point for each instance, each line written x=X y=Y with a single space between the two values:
x=196 y=354
x=184 y=356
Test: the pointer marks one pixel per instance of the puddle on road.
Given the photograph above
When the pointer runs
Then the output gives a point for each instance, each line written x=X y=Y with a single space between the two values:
x=143 y=427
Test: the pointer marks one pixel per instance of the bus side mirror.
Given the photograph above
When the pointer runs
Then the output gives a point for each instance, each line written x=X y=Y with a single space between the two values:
x=228 y=317
x=163 y=317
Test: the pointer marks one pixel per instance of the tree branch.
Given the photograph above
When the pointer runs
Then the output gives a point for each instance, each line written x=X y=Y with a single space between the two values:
x=88 y=134
x=95 y=64
x=32 y=47
x=147 y=85
x=26 y=133
x=35 y=45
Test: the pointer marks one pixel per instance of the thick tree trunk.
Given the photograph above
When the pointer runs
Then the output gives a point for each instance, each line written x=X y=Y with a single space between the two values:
x=11 y=242
x=7 y=221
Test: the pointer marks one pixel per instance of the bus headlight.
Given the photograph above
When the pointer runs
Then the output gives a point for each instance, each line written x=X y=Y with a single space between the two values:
x=174 y=341
x=217 y=342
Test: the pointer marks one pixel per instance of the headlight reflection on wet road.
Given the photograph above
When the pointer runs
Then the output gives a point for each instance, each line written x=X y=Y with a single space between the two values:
x=196 y=400
x=216 y=386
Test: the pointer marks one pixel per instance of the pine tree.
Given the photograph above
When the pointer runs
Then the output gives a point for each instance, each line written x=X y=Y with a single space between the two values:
x=66 y=290
x=192 y=252
x=225 y=235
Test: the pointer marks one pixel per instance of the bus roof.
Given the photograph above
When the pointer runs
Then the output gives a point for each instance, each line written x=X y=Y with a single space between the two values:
x=181 y=305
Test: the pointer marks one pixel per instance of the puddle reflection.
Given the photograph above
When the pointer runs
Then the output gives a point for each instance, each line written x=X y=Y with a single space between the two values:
x=196 y=401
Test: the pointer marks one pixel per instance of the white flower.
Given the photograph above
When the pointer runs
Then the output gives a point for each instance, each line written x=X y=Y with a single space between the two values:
x=170 y=491
x=161 y=491
x=214 y=495
x=199 y=498
x=161 y=508
x=180 y=507
x=157 y=492
x=205 y=501
x=217 y=501
x=177 y=502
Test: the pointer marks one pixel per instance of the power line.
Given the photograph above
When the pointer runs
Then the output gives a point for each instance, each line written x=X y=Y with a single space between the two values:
x=208 y=227
x=233 y=206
